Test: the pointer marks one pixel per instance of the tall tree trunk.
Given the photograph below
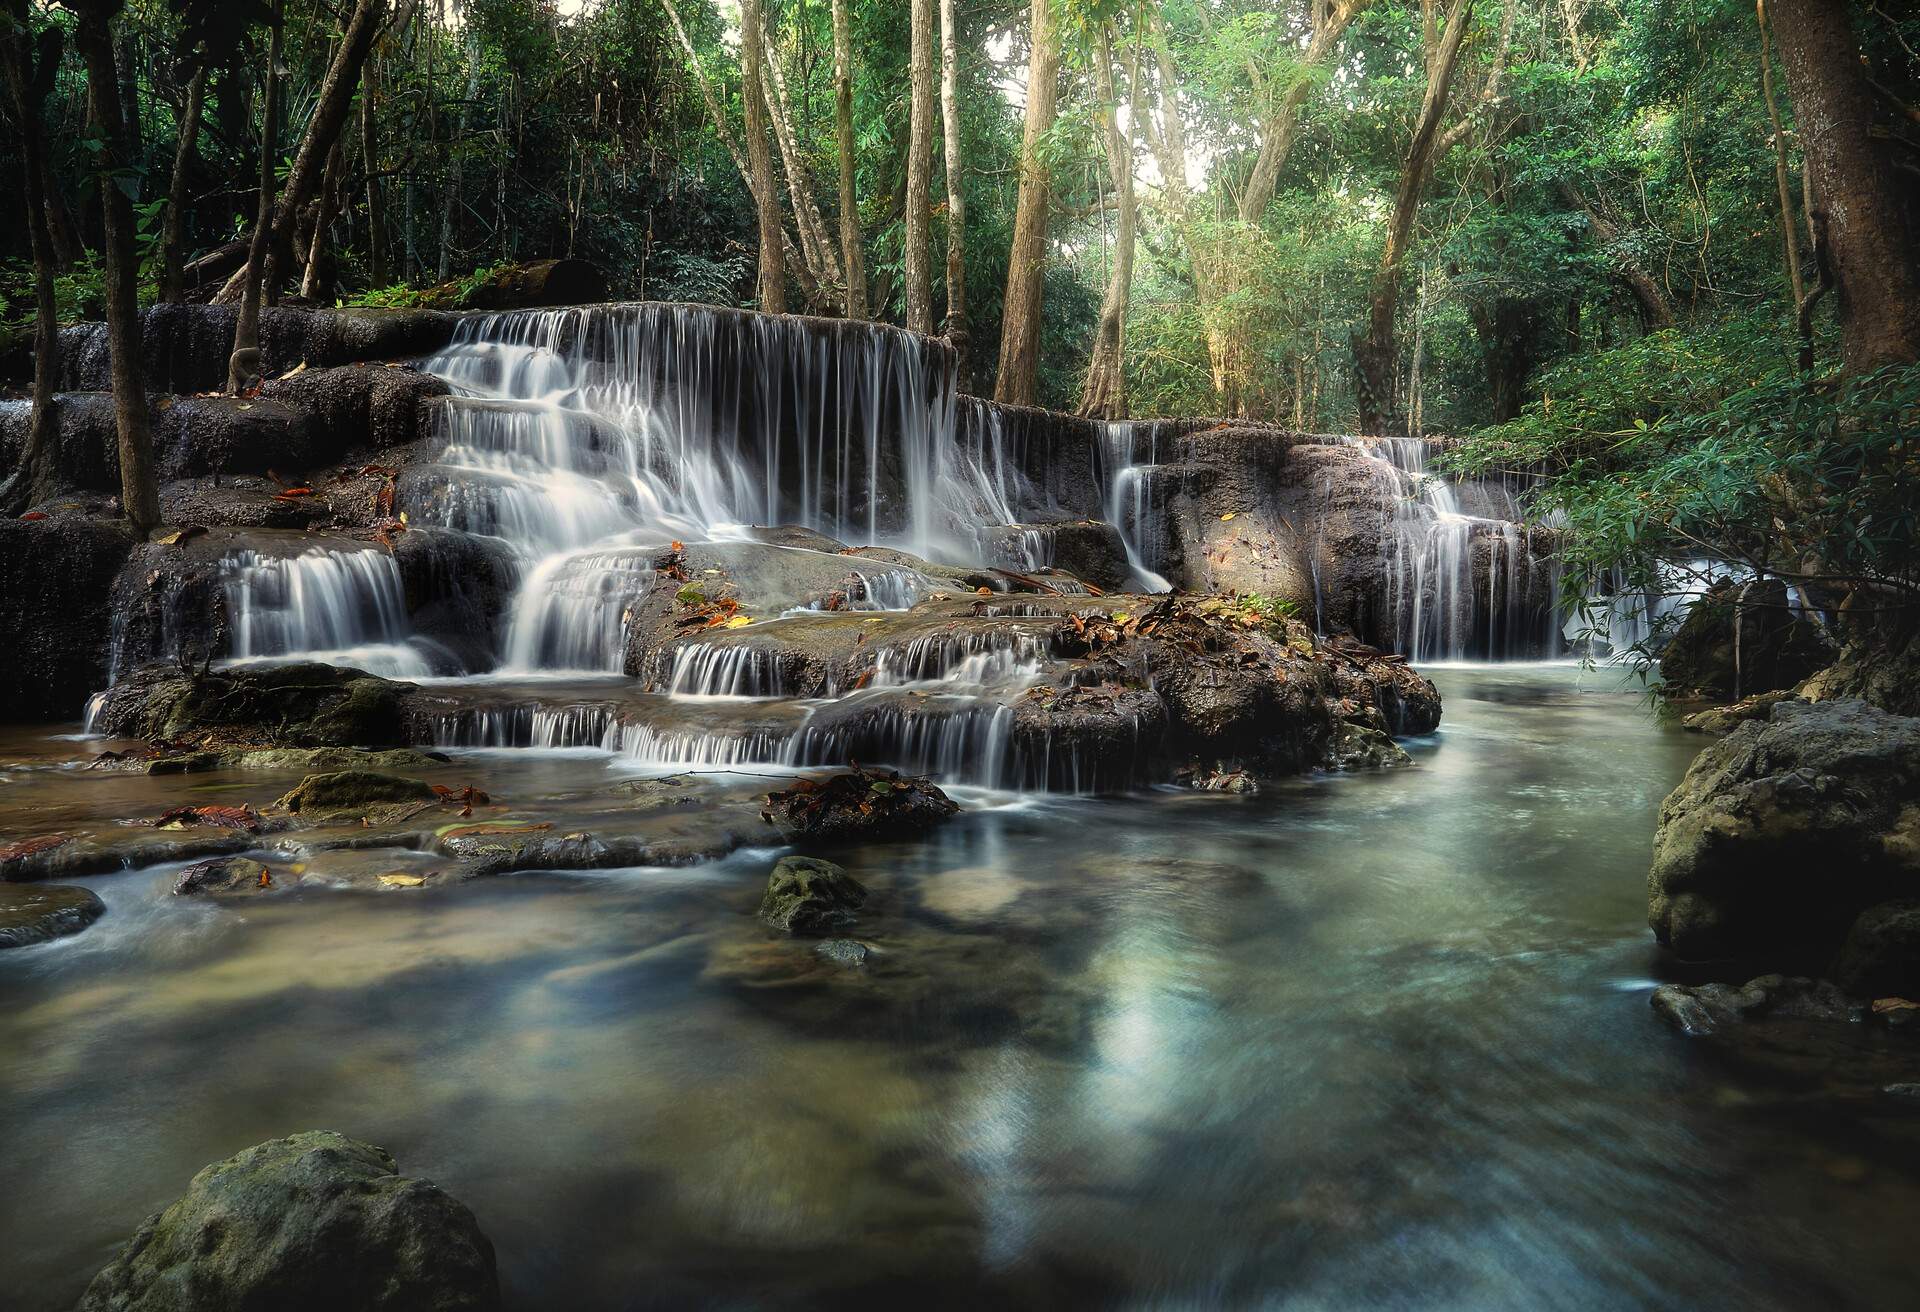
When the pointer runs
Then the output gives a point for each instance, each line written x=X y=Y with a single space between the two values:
x=851 y=253
x=172 y=234
x=958 y=332
x=1016 y=382
x=449 y=216
x=773 y=264
x=1870 y=238
x=317 y=283
x=378 y=273
x=1106 y=393
x=139 y=493
x=29 y=69
x=815 y=248
x=244 y=364
x=1789 y=230
x=919 y=255
x=1376 y=351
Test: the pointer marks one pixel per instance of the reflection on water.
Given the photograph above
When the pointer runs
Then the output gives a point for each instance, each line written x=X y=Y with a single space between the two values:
x=1365 y=1041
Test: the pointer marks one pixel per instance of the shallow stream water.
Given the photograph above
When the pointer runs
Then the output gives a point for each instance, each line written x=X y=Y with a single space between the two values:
x=1377 y=1041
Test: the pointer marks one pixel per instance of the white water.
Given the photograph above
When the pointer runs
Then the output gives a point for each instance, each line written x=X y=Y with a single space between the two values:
x=341 y=607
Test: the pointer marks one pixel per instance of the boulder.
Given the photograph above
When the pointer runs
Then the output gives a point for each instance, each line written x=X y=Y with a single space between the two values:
x=315 y=1222
x=1879 y=663
x=232 y=874
x=1881 y=956
x=858 y=805
x=54 y=602
x=1706 y=1008
x=43 y=912
x=1725 y=719
x=459 y=587
x=1784 y=831
x=299 y=705
x=1739 y=639
x=537 y=284
x=350 y=789
x=806 y=895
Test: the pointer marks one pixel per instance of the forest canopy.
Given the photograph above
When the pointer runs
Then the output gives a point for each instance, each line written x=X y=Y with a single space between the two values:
x=1586 y=237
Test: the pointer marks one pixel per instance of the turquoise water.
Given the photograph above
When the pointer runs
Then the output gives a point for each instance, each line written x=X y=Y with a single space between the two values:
x=1378 y=1041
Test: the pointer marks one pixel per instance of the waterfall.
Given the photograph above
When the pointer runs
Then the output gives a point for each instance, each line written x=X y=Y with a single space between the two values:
x=1129 y=501
x=340 y=607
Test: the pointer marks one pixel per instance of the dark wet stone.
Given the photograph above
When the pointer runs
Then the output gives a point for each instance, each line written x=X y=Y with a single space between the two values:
x=844 y=951
x=1709 y=1008
x=1881 y=957
x=233 y=874
x=347 y=789
x=55 y=591
x=299 y=705
x=316 y=1222
x=806 y=895
x=39 y=913
x=1740 y=639
x=1784 y=831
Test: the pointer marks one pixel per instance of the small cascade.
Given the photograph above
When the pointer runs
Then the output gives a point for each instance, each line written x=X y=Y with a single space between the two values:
x=340 y=607
x=1460 y=585
x=1129 y=501
x=705 y=669
x=974 y=660
x=571 y=611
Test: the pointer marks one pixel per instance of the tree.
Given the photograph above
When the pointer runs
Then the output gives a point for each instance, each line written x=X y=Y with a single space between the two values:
x=919 y=259
x=118 y=178
x=170 y=289
x=29 y=65
x=243 y=366
x=1863 y=215
x=773 y=271
x=1106 y=390
x=958 y=333
x=851 y=253
x=1014 y=384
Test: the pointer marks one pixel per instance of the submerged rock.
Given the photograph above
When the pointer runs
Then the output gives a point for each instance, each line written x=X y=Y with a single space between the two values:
x=1356 y=747
x=1706 y=1008
x=44 y=912
x=316 y=1222
x=806 y=895
x=850 y=952
x=1784 y=831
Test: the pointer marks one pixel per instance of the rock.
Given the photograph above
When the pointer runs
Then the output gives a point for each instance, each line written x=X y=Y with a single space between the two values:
x=1725 y=719
x=1879 y=663
x=297 y=758
x=458 y=588
x=44 y=912
x=1881 y=956
x=808 y=896
x=345 y=789
x=1906 y=1092
x=850 y=952
x=299 y=705
x=54 y=601
x=1356 y=747
x=232 y=874
x=1786 y=830
x=185 y=348
x=1739 y=639
x=1707 y=1008
x=316 y=1222
x=538 y=284
x=858 y=805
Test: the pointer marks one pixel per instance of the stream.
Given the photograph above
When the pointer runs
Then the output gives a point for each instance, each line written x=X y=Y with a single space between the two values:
x=1379 y=1040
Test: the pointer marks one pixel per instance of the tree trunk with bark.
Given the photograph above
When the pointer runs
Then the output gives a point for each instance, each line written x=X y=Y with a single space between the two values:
x=378 y=272
x=139 y=492
x=919 y=253
x=851 y=254
x=959 y=333
x=1376 y=353
x=244 y=364
x=1870 y=234
x=773 y=265
x=1017 y=380
x=171 y=288
x=1106 y=392
x=330 y=111
x=29 y=69
x=316 y=284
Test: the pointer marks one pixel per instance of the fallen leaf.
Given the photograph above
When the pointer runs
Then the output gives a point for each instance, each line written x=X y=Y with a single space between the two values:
x=739 y=622
x=1881 y=1006
x=266 y=878
x=1229 y=515
x=35 y=514
x=185 y=533
x=397 y=880
x=491 y=827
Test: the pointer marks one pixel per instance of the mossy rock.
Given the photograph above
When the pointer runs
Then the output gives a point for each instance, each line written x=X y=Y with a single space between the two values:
x=350 y=789
x=806 y=895
x=43 y=912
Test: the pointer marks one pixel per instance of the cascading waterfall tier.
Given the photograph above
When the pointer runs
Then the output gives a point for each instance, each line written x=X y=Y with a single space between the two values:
x=340 y=607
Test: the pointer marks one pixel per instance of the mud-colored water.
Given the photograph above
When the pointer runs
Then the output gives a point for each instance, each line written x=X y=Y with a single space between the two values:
x=1370 y=1041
